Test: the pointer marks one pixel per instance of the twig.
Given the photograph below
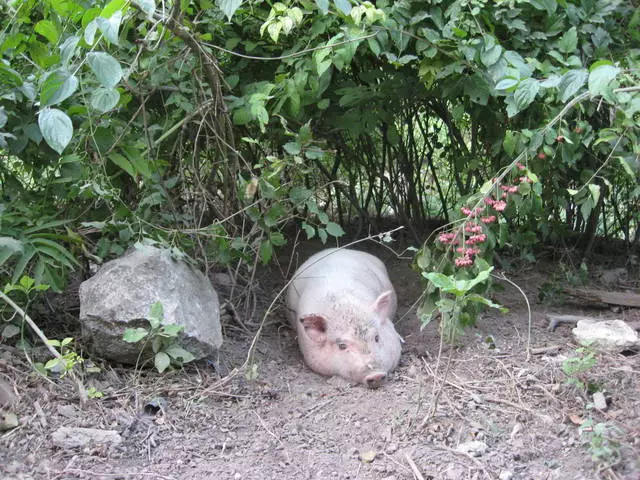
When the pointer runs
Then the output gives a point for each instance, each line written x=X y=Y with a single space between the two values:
x=502 y=276
x=94 y=474
x=32 y=324
x=414 y=467
x=477 y=462
x=318 y=407
x=543 y=350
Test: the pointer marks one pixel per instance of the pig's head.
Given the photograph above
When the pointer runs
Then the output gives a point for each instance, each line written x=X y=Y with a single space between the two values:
x=360 y=344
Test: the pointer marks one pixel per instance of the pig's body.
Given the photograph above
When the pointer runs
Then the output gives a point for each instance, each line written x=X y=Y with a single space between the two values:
x=341 y=303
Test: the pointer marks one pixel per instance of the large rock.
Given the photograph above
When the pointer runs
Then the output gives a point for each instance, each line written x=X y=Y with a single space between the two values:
x=608 y=335
x=120 y=296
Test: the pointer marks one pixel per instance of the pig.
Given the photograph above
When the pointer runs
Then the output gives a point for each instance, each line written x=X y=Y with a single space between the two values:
x=341 y=304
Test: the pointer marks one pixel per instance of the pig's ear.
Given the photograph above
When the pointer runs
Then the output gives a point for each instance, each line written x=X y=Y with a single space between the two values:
x=315 y=326
x=383 y=305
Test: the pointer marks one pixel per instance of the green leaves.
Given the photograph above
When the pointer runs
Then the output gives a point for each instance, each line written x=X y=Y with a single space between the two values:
x=601 y=75
x=56 y=128
x=229 y=7
x=47 y=29
x=323 y=6
x=148 y=7
x=57 y=87
x=134 y=335
x=458 y=288
x=344 y=6
x=106 y=68
x=104 y=99
x=571 y=82
x=526 y=93
x=281 y=19
x=569 y=41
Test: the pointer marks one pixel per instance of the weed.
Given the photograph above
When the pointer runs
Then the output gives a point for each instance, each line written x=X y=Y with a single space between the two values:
x=576 y=367
x=93 y=393
x=601 y=442
x=26 y=287
x=66 y=362
x=163 y=340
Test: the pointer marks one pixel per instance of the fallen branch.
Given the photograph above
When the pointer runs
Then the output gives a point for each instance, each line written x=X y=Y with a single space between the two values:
x=623 y=299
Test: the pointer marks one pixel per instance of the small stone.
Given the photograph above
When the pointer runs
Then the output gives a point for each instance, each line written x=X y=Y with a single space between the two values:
x=8 y=420
x=66 y=437
x=505 y=475
x=68 y=411
x=599 y=401
x=368 y=456
x=515 y=431
x=454 y=472
x=7 y=396
x=474 y=448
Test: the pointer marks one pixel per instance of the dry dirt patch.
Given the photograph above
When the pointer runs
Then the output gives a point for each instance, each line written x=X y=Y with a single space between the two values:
x=290 y=423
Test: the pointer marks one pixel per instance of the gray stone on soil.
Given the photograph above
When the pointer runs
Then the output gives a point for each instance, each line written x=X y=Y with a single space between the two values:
x=67 y=437
x=121 y=294
x=608 y=335
x=475 y=448
x=599 y=401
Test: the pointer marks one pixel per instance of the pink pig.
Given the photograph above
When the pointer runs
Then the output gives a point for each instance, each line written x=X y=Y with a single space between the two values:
x=341 y=303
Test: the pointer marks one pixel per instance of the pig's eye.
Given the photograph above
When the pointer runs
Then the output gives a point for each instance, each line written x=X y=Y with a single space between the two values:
x=377 y=339
x=342 y=346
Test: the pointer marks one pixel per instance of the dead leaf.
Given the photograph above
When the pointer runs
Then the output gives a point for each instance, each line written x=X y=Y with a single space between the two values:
x=576 y=419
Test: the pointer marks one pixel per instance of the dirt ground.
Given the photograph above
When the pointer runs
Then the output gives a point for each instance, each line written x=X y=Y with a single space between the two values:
x=289 y=423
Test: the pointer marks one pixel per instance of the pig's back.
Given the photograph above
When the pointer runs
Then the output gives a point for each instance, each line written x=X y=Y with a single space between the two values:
x=338 y=272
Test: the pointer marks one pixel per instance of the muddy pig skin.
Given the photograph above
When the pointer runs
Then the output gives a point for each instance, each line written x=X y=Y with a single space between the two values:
x=341 y=304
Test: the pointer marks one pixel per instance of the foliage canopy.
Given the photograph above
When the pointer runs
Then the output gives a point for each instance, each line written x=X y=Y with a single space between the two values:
x=209 y=126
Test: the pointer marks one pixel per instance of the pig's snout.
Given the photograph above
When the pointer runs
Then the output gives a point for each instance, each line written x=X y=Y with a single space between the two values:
x=375 y=379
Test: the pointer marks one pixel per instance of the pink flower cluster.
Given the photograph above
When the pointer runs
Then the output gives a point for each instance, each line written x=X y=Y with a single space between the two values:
x=498 y=205
x=471 y=234
x=472 y=213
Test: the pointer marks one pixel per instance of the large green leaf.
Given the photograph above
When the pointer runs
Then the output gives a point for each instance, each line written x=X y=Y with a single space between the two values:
x=148 y=7
x=601 y=77
x=571 y=82
x=162 y=361
x=229 y=7
x=123 y=163
x=134 y=335
x=9 y=76
x=110 y=26
x=343 y=5
x=106 y=68
x=57 y=87
x=323 y=6
x=68 y=49
x=48 y=30
x=56 y=128
x=180 y=354
x=569 y=41
x=8 y=247
x=104 y=99
x=526 y=93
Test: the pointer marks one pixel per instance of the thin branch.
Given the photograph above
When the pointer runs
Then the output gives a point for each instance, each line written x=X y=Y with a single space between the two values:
x=32 y=324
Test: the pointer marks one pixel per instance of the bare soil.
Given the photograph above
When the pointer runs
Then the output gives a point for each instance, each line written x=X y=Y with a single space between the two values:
x=289 y=423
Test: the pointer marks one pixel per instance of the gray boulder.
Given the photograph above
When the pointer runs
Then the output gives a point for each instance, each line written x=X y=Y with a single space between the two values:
x=121 y=294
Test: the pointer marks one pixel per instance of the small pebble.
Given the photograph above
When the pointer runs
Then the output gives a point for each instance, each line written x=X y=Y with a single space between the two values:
x=474 y=448
x=599 y=401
